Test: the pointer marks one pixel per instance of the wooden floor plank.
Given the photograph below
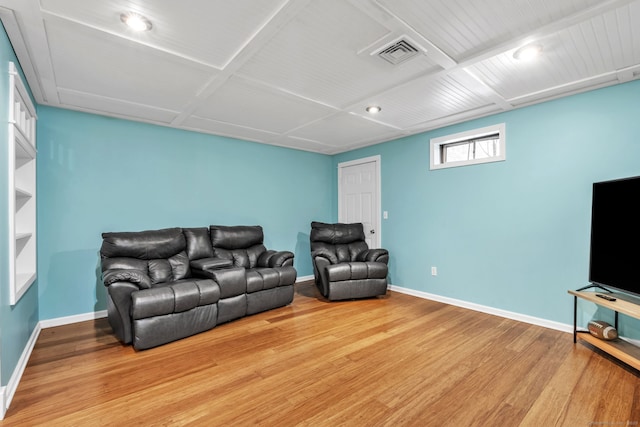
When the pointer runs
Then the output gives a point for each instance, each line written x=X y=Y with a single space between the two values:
x=389 y=361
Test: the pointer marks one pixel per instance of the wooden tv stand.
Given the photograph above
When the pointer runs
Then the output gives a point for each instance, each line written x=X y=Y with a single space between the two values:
x=620 y=349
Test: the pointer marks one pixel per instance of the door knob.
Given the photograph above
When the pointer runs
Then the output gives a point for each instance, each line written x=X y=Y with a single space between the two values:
x=372 y=231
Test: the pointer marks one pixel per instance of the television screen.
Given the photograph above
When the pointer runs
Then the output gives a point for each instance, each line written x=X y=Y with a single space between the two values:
x=615 y=235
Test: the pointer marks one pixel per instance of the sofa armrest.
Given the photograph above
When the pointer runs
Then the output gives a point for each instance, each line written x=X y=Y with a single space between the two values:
x=275 y=259
x=137 y=277
x=210 y=264
x=205 y=266
x=119 y=309
x=374 y=255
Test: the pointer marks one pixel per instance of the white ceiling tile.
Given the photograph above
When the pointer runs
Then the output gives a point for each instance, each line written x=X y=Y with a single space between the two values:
x=464 y=27
x=422 y=100
x=343 y=130
x=302 y=144
x=210 y=31
x=88 y=61
x=250 y=104
x=115 y=107
x=578 y=53
x=316 y=56
x=201 y=124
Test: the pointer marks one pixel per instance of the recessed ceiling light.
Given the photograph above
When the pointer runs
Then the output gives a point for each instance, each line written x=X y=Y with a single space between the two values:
x=528 y=52
x=373 y=109
x=136 y=22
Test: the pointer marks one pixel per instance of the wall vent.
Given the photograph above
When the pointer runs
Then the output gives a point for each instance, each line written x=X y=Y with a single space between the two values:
x=398 y=51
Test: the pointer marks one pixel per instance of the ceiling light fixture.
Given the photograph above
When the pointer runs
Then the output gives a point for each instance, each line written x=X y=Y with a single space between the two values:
x=528 y=52
x=136 y=21
x=373 y=109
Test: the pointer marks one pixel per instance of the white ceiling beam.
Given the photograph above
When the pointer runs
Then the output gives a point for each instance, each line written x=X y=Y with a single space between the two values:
x=32 y=51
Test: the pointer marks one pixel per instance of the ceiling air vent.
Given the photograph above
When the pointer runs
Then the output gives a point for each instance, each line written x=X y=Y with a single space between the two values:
x=399 y=51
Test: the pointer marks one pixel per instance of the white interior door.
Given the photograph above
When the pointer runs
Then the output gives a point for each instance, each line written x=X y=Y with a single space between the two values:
x=359 y=196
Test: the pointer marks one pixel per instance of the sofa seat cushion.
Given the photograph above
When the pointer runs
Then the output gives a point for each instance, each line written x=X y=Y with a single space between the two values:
x=259 y=279
x=174 y=297
x=356 y=271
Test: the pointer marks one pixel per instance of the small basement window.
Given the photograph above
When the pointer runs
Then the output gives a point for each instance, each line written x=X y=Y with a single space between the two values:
x=468 y=148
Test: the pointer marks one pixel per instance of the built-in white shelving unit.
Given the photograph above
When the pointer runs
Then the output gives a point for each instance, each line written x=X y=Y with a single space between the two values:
x=22 y=187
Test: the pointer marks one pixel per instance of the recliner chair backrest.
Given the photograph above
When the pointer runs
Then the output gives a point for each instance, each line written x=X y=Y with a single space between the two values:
x=346 y=241
x=158 y=253
x=242 y=244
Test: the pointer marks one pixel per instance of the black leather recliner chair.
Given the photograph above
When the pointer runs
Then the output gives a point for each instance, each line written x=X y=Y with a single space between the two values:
x=343 y=265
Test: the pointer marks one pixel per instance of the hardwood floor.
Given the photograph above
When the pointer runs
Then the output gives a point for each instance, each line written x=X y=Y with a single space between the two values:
x=392 y=361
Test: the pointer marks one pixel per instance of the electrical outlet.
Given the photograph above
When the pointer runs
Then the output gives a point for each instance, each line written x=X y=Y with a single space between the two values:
x=434 y=271
x=385 y=215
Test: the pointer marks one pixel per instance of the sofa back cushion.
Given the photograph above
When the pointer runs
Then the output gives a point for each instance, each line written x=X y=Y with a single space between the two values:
x=242 y=244
x=159 y=253
x=198 y=243
x=149 y=244
x=345 y=241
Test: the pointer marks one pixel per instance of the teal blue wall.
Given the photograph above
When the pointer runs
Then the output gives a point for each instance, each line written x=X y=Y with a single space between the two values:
x=512 y=235
x=98 y=174
x=16 y=322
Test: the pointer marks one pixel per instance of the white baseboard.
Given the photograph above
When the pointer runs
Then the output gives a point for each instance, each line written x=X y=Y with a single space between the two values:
x=3 y=408
x=304 y=278
x=563 y=327
x=10 y=390
x=60 y=321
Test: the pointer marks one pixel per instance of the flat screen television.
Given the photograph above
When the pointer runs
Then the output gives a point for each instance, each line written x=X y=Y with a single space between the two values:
x=615 y=235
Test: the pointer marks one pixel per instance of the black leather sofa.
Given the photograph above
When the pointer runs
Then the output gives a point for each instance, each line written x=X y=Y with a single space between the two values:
x=343 y=265
x=163 y=285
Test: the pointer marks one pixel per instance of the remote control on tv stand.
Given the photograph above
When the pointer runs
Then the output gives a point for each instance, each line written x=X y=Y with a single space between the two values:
x=607 y=297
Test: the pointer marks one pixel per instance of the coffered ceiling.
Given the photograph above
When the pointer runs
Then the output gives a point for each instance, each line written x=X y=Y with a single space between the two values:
x=300 y=73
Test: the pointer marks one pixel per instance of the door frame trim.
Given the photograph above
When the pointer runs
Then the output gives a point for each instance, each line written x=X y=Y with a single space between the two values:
x=377 y=160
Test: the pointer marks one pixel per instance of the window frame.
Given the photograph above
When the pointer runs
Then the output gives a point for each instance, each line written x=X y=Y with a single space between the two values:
x=436 y=145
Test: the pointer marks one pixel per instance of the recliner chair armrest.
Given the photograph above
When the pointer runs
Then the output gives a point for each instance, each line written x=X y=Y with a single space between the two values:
x=326 y=254
x=275 y=259
x=137 y=277
x=374 y=255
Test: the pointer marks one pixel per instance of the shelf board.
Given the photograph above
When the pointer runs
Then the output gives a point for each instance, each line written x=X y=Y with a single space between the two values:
x=25 y=279
x=620 y=349
x=23 y=194
x=24 y=148
x=22 y=132
x=619 y=305
x=20 y=236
